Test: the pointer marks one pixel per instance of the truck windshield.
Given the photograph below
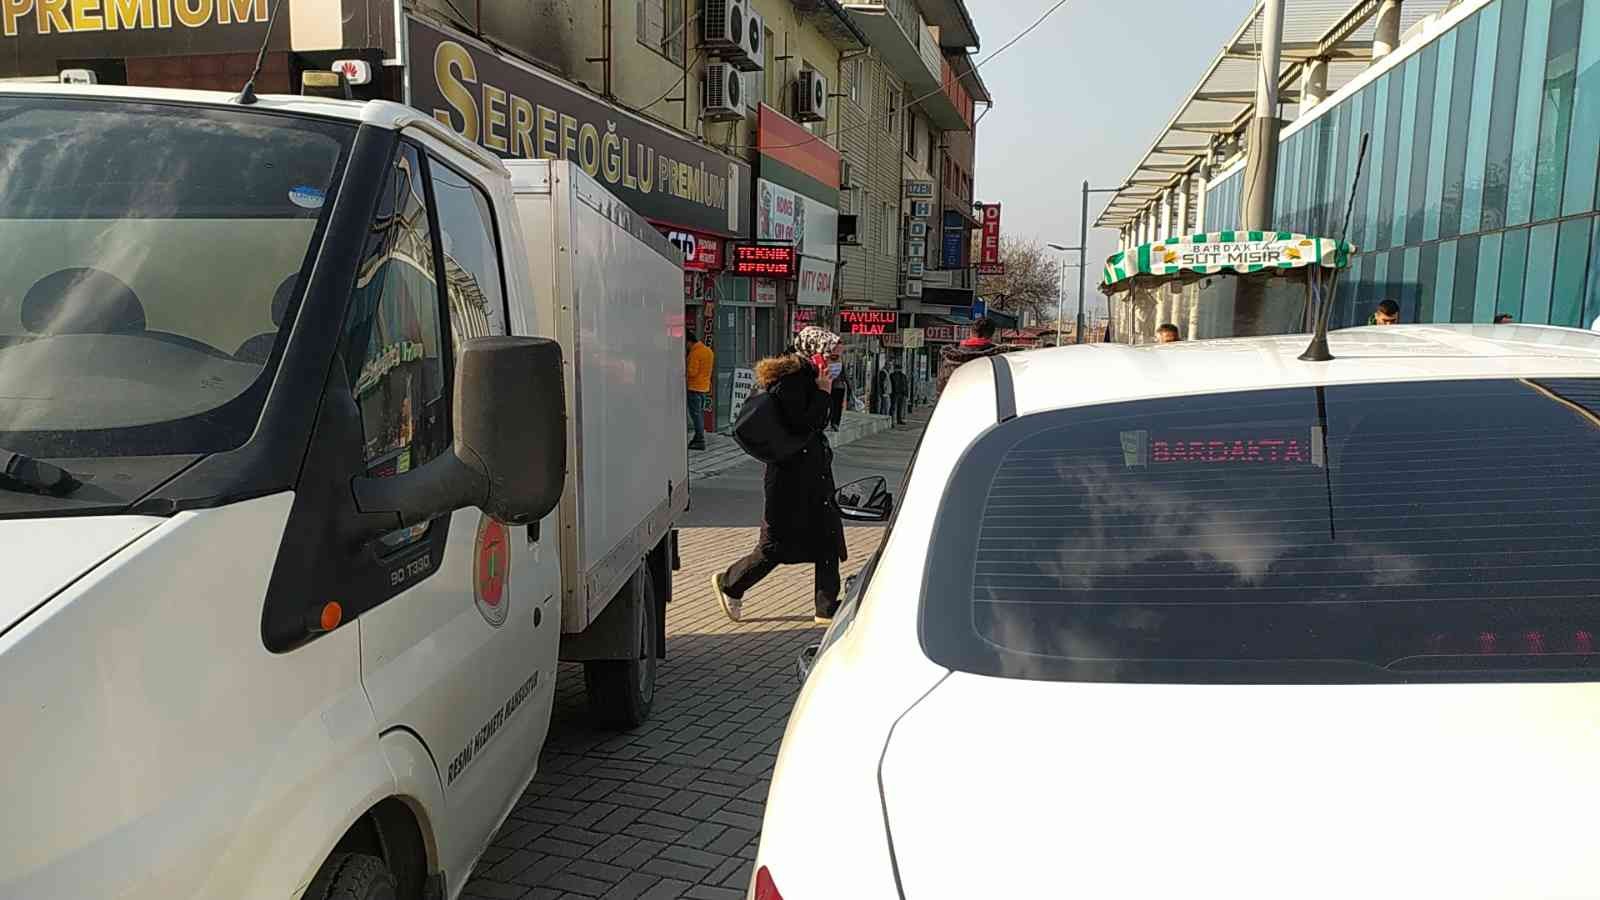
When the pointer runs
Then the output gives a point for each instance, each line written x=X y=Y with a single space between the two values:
x=1361 y=533
x=150 y=257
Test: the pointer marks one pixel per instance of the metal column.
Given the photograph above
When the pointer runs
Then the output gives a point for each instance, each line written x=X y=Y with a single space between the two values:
x=1261 y=166
x=1386 y=29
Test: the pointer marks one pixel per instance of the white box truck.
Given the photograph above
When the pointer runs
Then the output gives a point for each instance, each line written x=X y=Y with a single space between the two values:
x=322 y=439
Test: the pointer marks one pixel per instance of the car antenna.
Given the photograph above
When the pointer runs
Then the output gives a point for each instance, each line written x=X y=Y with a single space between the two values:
x=247 y=96
x=1317 y=351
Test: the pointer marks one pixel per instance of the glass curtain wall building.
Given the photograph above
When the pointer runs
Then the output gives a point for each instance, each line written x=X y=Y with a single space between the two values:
x=1478 y=195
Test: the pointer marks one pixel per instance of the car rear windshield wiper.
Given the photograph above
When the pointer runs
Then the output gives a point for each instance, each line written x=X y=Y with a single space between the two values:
x=20 y=472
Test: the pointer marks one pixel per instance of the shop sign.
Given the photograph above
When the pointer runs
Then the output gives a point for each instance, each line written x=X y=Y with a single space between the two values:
x=989 y=249
x=939 y=334
x=994 y=268
x=921 y=209
x=816 y=282
x=803 y=317
x=701 y=252
x=764 y=292
x=951 y=250
x=785 y=215
x=911 y=338
x=919 y=188
x=918 y=229
x=744 y=382
x=876 y=322
x=517 y=111
x=764 y=260
x=913 y=288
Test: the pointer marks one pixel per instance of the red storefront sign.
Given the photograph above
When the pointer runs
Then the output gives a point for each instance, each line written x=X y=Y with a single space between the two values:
x=764 y=260
x=869 y=321
x=701 y=252
x=989 y=250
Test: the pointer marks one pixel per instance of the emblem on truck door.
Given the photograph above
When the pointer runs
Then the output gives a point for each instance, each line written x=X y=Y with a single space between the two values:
x=492 y=552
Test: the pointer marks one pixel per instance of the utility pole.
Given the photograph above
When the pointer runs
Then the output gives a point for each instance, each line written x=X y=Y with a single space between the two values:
x=1261 y=168
x=1083 y=260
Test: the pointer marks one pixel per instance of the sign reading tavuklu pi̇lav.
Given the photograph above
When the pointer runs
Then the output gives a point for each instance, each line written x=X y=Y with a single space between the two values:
x=517 y=111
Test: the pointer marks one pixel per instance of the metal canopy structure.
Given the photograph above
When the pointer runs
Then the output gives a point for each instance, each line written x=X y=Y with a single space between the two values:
x=1334 y=32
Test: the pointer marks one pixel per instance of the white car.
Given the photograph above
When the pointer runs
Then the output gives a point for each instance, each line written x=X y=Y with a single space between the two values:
x=1206 y=620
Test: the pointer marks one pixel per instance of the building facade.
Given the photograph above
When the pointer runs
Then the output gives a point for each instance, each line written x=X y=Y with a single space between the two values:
x=1478 y=195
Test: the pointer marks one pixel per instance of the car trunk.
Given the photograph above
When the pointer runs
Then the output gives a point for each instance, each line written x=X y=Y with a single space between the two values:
x=1001 y=787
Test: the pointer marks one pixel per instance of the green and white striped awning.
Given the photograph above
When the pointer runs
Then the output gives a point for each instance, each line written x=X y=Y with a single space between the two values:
x=1230 y=251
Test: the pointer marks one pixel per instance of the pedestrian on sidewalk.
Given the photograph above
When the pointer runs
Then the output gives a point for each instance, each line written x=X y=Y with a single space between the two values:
x=800 y=522
x=697 y=375
x=841 y=392
x=979 y=344
x=899 y=392
x=880 y=388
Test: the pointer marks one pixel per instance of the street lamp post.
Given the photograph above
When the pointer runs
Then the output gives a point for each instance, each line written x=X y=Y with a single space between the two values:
x=1083 y=255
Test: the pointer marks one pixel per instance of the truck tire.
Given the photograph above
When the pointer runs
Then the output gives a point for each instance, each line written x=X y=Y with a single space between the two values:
x=621 y=690
x=352 y=876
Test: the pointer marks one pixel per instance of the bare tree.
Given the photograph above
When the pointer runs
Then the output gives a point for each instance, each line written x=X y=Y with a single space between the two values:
x=1031 y=279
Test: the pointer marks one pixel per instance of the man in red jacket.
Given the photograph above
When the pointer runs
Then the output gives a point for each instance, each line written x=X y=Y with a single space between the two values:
x=978 y=345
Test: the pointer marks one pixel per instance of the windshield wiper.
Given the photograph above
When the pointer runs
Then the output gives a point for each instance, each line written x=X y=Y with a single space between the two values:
x=20 y=472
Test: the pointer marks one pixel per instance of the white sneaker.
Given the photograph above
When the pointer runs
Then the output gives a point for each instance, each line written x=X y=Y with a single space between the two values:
x=730 y=606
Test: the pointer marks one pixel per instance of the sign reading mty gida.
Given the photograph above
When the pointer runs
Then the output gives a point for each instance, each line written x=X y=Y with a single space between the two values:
x=517 y=111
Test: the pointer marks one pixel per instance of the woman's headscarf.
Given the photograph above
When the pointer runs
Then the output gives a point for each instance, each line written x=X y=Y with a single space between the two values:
x=814 y=341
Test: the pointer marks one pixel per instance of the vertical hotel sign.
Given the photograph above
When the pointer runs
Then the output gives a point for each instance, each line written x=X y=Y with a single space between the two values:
x=989 y=250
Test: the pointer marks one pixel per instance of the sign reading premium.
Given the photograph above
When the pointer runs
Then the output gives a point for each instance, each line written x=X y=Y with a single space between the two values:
x=36 y=34
x=517 y=111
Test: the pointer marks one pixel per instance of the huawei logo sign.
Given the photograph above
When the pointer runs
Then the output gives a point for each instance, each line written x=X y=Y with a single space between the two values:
x=349 y=69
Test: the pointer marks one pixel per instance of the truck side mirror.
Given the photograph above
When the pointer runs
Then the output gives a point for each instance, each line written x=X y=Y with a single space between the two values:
x=509 y=453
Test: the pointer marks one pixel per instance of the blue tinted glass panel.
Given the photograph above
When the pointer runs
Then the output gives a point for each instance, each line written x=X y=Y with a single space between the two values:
x=1555 y=124
x=1407 y=133
x=1541 y=274
x=1464 y=289
x=1507 y=74
x=1513 y=266
x=1461 y=100
x=1444 y=284
x=1440 y=135
x=1583 y=144
x=1422 y=142
x=1478 y=130
x=1591 y=303
x=1530 y=92
x=1572 y=264
x=1411 y=274
x=1487 y=288
x=1421 y=309
x=1358 y=222
x=1393 y=88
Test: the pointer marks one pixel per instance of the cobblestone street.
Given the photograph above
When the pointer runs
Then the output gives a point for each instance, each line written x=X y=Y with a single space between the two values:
x=673 y=808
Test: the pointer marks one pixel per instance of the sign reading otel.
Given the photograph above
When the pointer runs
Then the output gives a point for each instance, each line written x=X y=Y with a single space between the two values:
x=989 y=251
x=516 y=111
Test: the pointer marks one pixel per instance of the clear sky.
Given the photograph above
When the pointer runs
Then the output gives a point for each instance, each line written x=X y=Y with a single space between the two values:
x=1082 y=97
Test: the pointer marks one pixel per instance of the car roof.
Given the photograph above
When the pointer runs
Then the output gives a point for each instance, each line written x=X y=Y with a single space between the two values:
x=377 y=113
x=1061 y=378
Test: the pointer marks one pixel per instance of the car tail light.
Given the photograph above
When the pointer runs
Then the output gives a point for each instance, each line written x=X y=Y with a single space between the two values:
x=765 y=889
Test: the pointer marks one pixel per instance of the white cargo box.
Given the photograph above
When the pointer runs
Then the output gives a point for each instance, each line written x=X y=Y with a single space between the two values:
x=609 y=288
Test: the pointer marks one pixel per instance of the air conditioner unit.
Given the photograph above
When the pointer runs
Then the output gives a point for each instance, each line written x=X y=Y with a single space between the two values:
x=811 y=96
x=755 y=44
x=723 y=24
x=847 y=174
x=722 y=92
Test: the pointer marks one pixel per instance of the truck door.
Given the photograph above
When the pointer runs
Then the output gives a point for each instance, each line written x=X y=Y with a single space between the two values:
x=464 y=653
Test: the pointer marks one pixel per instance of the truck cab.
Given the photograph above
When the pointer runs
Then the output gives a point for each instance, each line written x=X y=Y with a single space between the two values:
x=281 y=454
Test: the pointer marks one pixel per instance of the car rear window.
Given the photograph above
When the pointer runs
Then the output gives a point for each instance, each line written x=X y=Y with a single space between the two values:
x=1370 y=533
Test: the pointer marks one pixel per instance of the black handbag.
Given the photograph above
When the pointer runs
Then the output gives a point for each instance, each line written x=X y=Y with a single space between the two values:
x=760 y=430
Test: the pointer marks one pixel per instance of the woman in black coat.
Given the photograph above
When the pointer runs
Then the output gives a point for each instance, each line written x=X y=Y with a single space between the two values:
x=801 y=521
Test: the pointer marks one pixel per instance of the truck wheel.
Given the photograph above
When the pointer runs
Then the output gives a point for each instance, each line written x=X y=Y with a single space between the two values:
x=352 y=876
x=621 y=690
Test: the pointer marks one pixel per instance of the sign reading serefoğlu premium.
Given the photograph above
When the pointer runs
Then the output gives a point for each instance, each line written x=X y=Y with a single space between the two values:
x=517 y=111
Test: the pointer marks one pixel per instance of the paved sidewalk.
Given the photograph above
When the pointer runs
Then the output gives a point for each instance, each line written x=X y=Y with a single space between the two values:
x=673 y=808
x=722 y=453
